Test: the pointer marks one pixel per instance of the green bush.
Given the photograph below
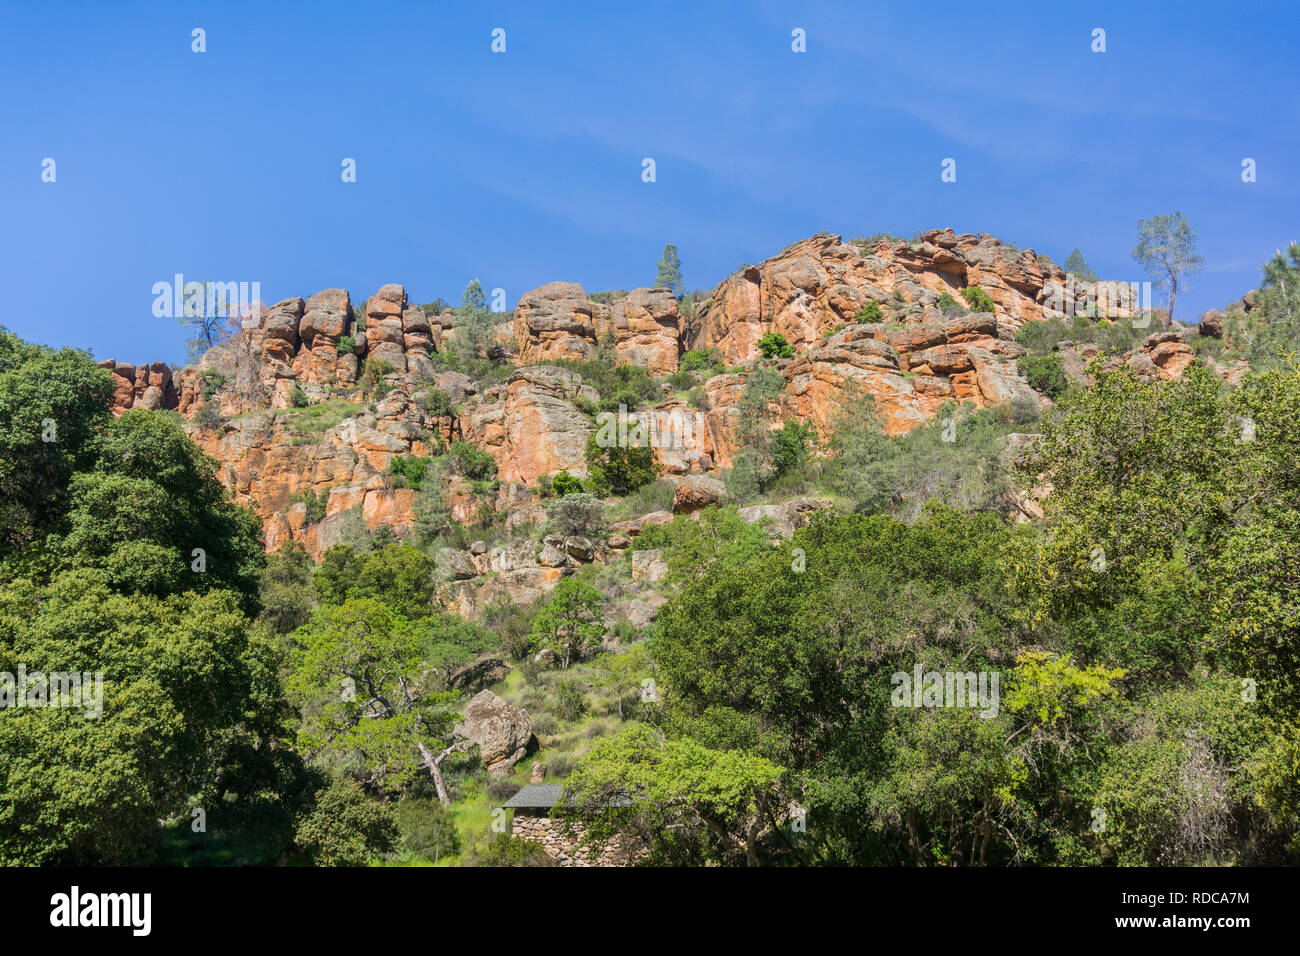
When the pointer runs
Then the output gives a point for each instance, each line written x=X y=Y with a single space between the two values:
x=570 y=700
x=616 y=470
x=681 y=380
x=211 y=381
x=577 y=514
x=502 y=849
x=411 y=469
x=427 y=827
x=472 y=462
x=869 y=313
x=774 y=345
x=298 y=398
x=977 y=299
x=347 y=344
x=314 y=501
x=701 y=360
x=624 y=384
x=373 y=372
x=436 y=403
x=947 y=302
x=565 y=484
x=1044 y=374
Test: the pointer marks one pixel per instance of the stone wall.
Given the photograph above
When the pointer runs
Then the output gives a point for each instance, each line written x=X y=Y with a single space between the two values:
x=566 y=850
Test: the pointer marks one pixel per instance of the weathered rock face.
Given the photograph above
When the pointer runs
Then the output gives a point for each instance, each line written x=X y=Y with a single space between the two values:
x=315 y=345
x=1163 y=355
x=694 y=492
x=784 y=519
x=264 y=461
x=532 y=426
x=646 y=330
x=141 y=386
x=324 y=322
x=501 y=731
x=909 y=372
x=649 y=566
x=554 y=322
x=821 y=283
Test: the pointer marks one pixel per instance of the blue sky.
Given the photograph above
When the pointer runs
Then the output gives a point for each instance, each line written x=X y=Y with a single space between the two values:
x=525 y=167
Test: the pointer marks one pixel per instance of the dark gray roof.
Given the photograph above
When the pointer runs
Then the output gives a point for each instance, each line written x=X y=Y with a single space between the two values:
x=546 y=795
x=535 y=795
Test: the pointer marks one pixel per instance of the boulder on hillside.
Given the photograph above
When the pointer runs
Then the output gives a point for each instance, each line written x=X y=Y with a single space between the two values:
x=480 y=674
x=694 y=492
x=501 y=731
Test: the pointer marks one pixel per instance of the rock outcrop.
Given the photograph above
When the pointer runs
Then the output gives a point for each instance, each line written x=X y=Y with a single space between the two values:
x=821 y=283
x=501 y=731
x=146 y=386
x=532 y=425
x=554 y=322
x=646 y=330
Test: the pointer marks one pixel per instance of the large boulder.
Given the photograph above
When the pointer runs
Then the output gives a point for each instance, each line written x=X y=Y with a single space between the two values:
x=645 y=324
x=554 y=322
x=500 y=730
x=694 y=492
x=532 y=426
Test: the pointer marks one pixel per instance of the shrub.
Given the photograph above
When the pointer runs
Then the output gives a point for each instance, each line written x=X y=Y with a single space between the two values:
x=427 y=827
x=977 y=299
x=577 y=514
x=345 y=827
x=869 y=313
x=618 y=470
x=314 y=501
x=681 y=380
x=436 y=403
x=947 y=302
x=298 y=398
x=701 y=360
x=501 y=788
x=211 y=382
x=565 y=484
x=1044 y=373
x=624 y=384
x=570 y=700
x=502 y=849
x=207 y=416
x=472 y=462
x=347 y=344
x=373 y=372
x=411 y=469
x=774 y=345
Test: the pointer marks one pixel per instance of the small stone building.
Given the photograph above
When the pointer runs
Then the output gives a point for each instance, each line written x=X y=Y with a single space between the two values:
x=533 y=821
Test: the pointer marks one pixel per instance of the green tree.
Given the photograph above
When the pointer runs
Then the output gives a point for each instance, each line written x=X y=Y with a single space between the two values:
x=577 y=514
x=52 y=404
x=472 y=335
x=617 y=469
x=88 y=784
x=571 y=622
x=346 y=827
x=427 y=828
x=1166 y=249
x=667 y=793
x=978 y=299
x=359 y=677
x=670 y=271
x=1044 y=374
x=1077 y=265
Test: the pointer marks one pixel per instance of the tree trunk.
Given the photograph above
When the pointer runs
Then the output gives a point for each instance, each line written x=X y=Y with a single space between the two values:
x=1173 y=296
x=434 y=765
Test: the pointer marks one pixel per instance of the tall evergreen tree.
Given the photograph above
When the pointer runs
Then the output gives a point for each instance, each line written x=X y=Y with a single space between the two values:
x=670 y=271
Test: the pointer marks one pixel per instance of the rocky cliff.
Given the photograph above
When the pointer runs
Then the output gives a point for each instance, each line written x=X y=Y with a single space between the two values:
x=306 y=410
